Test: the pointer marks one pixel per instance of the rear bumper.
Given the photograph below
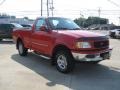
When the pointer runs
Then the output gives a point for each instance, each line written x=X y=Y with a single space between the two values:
x=93 y=57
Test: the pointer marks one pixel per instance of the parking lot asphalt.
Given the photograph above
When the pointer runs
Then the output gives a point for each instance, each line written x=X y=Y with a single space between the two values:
x=35 y=73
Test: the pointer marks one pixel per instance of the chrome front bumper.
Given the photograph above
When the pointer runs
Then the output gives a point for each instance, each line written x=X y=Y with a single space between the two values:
x=93 y=57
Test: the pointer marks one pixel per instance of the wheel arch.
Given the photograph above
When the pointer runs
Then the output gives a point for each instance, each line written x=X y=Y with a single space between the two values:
x=59 y=47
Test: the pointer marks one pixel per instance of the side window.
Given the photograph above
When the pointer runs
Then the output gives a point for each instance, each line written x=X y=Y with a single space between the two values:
x=39 y=23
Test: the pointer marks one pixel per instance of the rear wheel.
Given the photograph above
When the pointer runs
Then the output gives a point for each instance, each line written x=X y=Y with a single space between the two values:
x=64 y=61
x=21 y=49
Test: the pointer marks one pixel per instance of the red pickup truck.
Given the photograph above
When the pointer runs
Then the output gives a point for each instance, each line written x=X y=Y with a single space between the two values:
x=62 y=40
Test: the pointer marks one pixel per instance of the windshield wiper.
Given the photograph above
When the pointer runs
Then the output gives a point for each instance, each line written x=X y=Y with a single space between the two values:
x=76 y=28
x=68 y=28
x=62 y=28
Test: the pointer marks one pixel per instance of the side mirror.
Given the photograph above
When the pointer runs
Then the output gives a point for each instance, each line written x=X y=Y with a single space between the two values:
x=43 y=28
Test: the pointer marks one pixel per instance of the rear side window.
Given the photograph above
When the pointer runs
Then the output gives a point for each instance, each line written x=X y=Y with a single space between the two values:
x=39 y=23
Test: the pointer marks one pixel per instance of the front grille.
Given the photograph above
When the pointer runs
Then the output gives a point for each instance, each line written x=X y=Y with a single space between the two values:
x=101 y=44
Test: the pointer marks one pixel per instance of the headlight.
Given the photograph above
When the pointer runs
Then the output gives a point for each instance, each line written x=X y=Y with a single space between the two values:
x=83 y=45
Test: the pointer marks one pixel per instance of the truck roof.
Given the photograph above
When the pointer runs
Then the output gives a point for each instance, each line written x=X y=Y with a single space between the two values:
x=50 y=17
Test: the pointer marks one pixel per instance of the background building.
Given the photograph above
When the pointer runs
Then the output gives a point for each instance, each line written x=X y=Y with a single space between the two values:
x=13 y=19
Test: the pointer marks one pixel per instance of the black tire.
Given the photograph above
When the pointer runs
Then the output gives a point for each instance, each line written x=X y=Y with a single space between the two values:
x=113 y=36
x=0 y=39
x=21 y=49
x=117 y=37
x=94 y=62
x=67 y=65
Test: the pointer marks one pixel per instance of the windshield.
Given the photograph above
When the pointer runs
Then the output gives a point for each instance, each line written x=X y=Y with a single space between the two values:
x=62 y=24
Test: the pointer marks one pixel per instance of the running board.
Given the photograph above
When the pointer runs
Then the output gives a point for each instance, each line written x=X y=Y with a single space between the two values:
x=43 y=56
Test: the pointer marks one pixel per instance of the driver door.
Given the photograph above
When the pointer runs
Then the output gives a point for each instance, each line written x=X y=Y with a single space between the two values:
x=36 y=35
x=41 y=40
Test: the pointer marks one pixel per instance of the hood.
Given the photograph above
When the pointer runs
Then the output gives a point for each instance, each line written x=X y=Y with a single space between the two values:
x=79 y=33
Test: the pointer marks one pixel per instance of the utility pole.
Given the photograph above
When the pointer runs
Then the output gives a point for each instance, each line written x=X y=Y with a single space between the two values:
x=119 y=20
x=47 y=7
x=52 y=7
x=41 y=7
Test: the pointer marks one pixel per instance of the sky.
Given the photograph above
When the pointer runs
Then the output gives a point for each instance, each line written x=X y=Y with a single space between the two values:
x=65 y=8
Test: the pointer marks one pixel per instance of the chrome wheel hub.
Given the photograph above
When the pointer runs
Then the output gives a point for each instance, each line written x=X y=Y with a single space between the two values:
x=61 y=61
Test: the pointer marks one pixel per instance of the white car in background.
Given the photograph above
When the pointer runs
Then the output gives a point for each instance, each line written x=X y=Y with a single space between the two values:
x=114 y=33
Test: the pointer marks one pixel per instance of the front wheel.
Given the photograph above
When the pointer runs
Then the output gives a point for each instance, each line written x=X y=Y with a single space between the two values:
x=21 y=49
x=94 y=62
x=64 y=61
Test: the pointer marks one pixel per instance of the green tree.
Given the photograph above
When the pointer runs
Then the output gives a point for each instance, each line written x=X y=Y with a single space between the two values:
x=26 y=18
x=13 y=17
x=80 y=21
x=90 y=21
